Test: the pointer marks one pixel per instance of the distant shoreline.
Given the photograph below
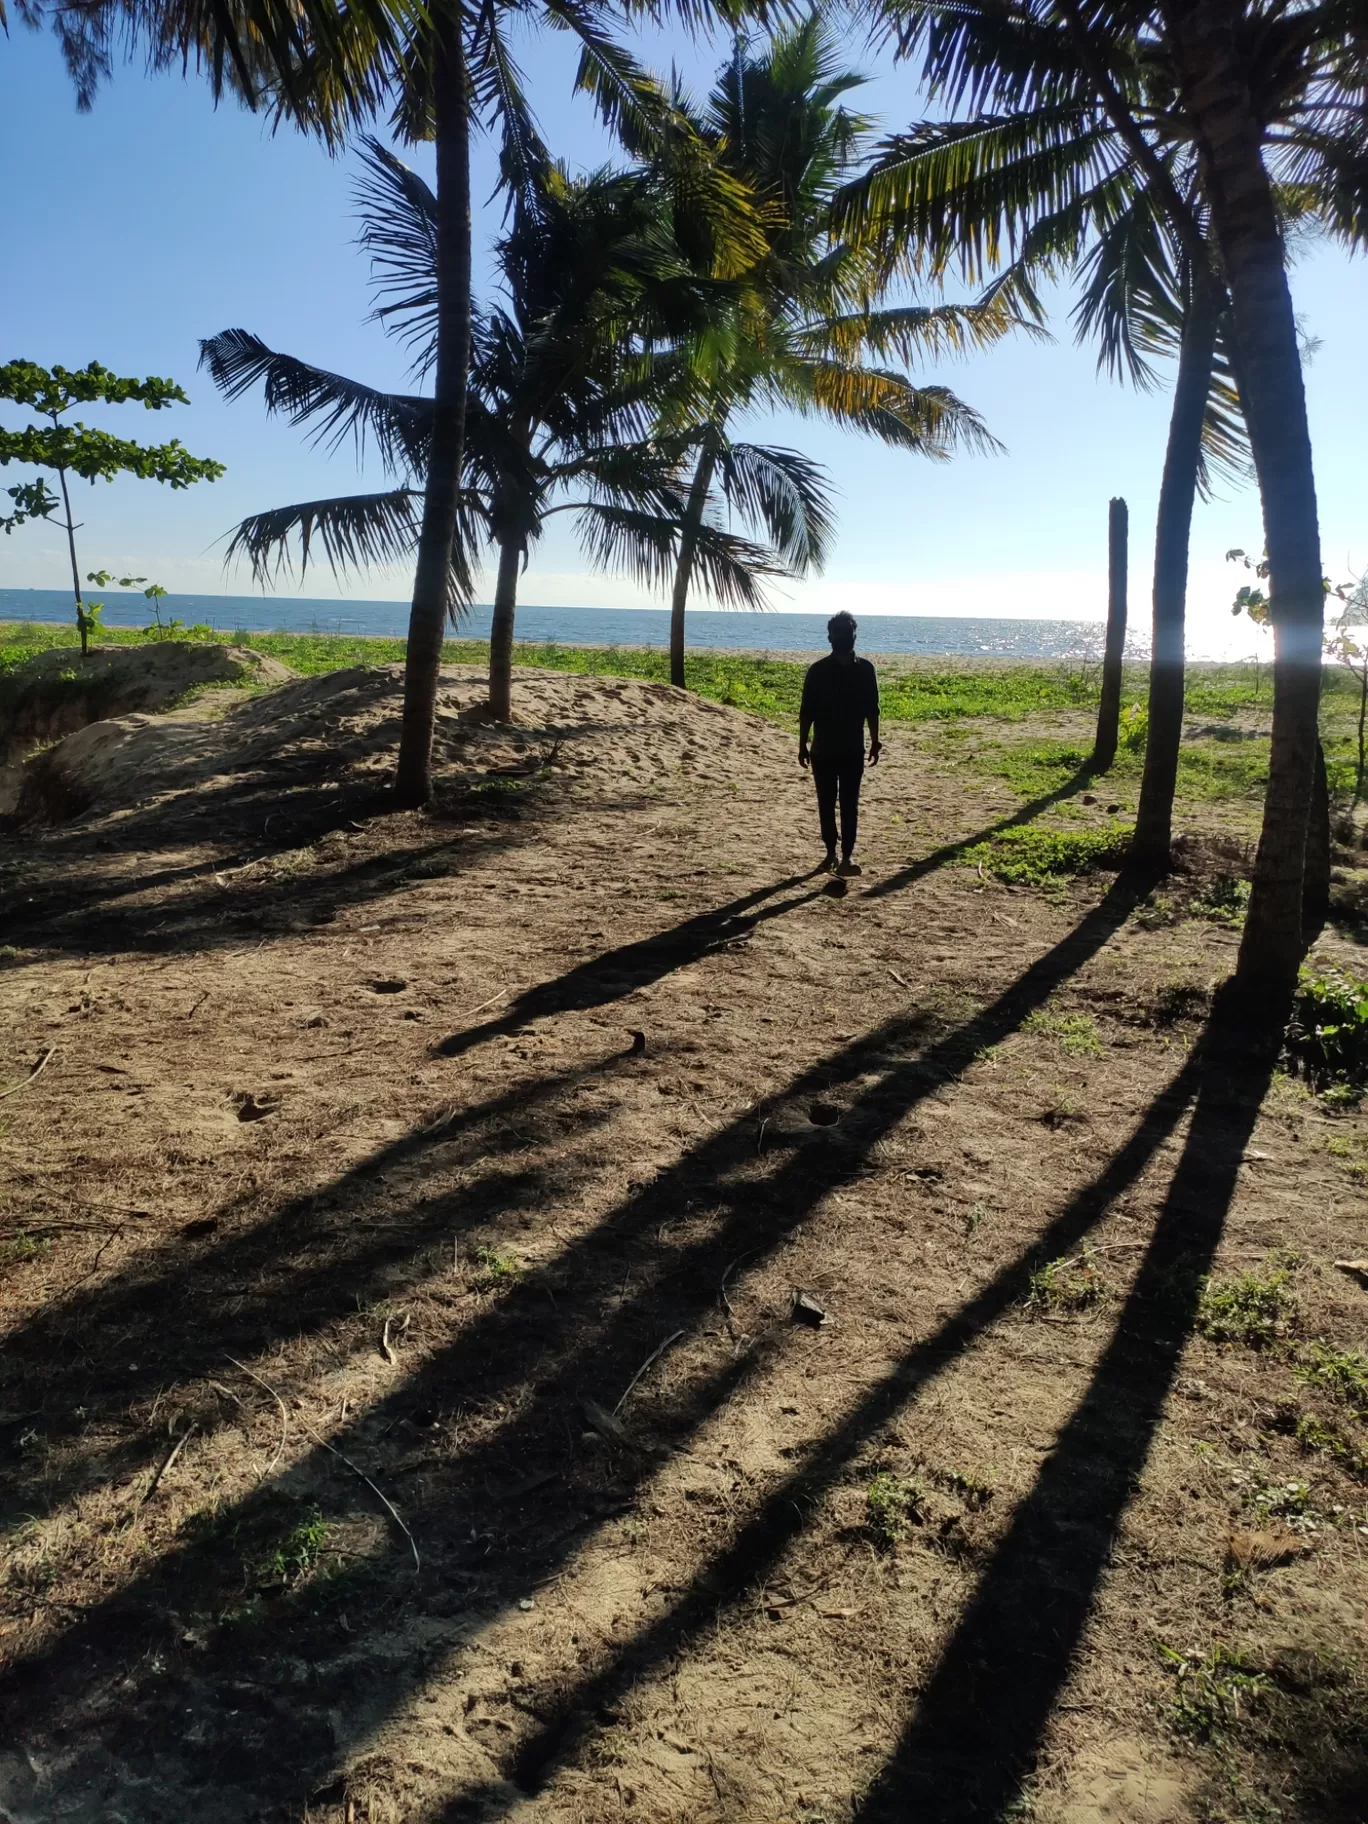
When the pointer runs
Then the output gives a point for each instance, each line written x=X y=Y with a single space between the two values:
x=892 y=662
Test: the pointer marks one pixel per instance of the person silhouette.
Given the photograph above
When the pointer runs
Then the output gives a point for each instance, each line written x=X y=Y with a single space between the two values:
x=840 y=694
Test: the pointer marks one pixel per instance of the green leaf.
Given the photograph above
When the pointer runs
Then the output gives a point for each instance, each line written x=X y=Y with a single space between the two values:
x=99 y=456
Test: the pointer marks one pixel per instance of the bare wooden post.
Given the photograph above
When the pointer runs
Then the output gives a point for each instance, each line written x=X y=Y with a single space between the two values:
x=1109 y=710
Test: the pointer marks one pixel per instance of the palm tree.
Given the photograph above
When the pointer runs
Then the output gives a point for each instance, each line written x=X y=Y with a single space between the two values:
x=1055 y=192
x=562 y=398
x=1253 y=93
x=804 y=330
x=325 y=64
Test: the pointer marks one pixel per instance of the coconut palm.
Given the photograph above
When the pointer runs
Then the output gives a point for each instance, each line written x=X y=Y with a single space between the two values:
x=446 y=66
x=563 y=395
x=806 y=331
x=1254 y=94
x=1054 y=193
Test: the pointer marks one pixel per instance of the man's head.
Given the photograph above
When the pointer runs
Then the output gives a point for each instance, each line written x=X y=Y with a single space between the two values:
x=841 y=630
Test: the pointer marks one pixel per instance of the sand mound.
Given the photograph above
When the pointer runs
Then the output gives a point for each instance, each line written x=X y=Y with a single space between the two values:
x=319 y=735
x=55 y=693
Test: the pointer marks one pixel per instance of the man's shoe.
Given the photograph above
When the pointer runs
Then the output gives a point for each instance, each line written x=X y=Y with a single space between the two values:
x=849 y=867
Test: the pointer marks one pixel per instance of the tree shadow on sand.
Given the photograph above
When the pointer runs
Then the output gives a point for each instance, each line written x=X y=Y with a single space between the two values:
x=586 y=1348
x=970 y=1743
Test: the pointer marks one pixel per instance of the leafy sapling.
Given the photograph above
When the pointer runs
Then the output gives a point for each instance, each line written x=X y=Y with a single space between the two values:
x=159 y=630
x=73 y=448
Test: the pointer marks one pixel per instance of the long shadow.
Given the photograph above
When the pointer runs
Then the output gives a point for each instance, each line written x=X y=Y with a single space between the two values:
x=215 y=917
x=951 y=851
x=980 y=1720
x=1010 y=1607
x=760 y=1545
x=584 y=1349
x=615 y=973
x=307 y=1272
x=304 y=1267
x=294 y=1275
x=84 y=915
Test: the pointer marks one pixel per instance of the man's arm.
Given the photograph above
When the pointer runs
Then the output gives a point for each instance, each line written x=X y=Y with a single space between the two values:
x=872 y=717
x=805 y=720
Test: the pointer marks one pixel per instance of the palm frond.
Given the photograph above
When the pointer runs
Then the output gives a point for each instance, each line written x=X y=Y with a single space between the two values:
x=1132 y=298
x=398 y=216
x=967 y=191
x=930 y=420
x=355 y=532
x=400 y=423
x=1225 y=452
x=913 y=332
x=524 y=160
x=325 y=67
x=645 y=545
x=786 y=494
x=715 y=210
x=733 y=570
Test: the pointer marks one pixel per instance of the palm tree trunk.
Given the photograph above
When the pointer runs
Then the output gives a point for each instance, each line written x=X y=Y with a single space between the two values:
x=1154 y=820
x=1218 y=101
x=1316 y=882
x=501 y=632
x=1113 y=656
x=688 y=550
x=441 y=501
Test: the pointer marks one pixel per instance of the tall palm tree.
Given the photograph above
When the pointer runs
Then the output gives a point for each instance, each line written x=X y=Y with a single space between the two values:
x=562 y=399
x=1053 y=192
x=806 y=329
x=446 y=65
x=1254 y=90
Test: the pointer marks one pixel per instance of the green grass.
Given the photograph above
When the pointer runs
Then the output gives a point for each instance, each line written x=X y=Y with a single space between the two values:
x=495 y=1269
x=1071 y=1283
x=1211 y=1689
x=298 y=1553
x=1076 y=1033
x=16 y=1249
x=1288 y=1503
x=1036 y=857
x=1208 y=771
x=768 y=687
x=1329 y=1441
x=1223 y=900
x=892 y=1503
x=1252 y=1308
x=1342 y=1372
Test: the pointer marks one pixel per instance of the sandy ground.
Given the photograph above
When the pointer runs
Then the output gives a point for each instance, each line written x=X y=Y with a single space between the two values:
x=405 y=1411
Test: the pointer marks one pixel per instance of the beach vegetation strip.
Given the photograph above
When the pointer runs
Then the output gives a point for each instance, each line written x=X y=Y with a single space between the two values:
x=948 y=690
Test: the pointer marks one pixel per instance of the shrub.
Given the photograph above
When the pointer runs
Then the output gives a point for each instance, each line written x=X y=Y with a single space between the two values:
x=1327 y=1036
x=892 y=1503
x=1069 y=1283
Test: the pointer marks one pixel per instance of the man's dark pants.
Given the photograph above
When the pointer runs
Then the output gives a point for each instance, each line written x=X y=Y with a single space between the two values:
x=838 y=776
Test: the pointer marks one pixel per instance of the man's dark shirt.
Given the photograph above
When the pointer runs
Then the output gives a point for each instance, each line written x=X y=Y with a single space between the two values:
x=837 y=700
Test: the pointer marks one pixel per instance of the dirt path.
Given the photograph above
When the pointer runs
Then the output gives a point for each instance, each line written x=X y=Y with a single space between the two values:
x=404 y=1410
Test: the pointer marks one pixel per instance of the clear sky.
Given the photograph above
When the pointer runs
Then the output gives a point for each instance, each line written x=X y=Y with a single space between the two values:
x=131 y=232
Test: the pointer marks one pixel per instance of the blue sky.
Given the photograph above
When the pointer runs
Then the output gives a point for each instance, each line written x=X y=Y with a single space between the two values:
x=133 y=231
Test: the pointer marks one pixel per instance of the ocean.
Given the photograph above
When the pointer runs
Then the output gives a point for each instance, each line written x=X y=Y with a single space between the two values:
x=929 y=635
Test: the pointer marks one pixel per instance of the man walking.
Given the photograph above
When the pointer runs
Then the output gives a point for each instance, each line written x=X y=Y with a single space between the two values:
x=840 y=694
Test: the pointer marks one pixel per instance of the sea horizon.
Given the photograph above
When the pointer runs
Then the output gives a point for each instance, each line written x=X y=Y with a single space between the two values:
x=775 y=631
